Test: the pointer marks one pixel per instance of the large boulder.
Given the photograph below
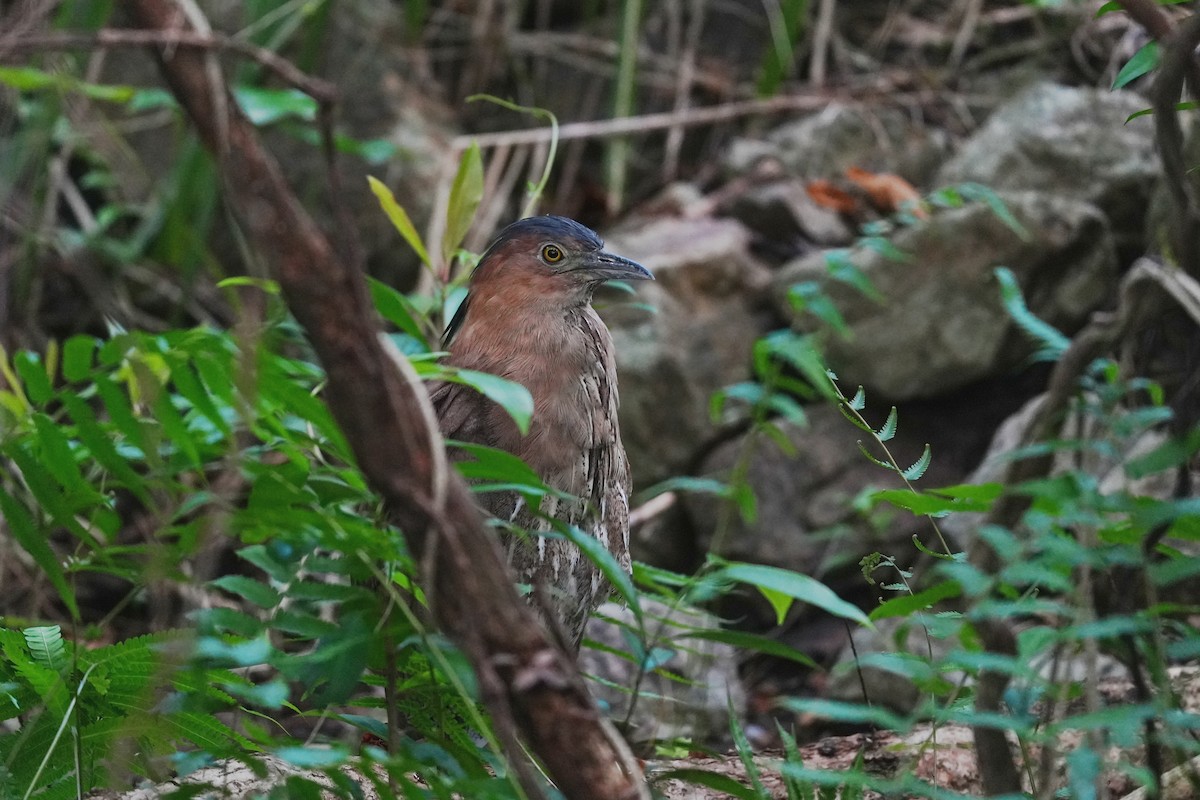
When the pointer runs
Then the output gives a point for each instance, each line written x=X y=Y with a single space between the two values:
x=1072 y=142
x=707 y=306
x=941 y=324
x=806 y=518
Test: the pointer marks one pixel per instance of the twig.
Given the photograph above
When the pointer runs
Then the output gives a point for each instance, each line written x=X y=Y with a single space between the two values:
x=320 y=90
x=822 y=33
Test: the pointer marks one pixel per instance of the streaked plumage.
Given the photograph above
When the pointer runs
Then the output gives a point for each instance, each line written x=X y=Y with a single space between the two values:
x=528 y=317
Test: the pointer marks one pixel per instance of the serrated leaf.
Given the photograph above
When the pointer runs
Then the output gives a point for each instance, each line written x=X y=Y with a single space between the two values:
x=859 y=401
x=465 y=195
x=862 y=448
x=21 y=525
x=888 y=431
x=46 y=644
x=399 y=218
x=1053 y=342
x=918 y=468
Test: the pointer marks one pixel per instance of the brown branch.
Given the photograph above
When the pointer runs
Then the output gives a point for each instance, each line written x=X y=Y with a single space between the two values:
x=322 y=91
x=388 y=422
x=1178 y=63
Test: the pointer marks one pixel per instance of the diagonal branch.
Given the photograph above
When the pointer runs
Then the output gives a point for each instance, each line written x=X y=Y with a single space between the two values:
x=528 y=683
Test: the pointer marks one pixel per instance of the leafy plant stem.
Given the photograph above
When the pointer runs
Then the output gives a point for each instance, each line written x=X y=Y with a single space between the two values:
x=850 y=409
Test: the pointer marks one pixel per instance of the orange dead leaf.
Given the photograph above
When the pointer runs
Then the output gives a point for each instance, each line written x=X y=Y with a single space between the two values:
x=825 y=194
x=888 y=192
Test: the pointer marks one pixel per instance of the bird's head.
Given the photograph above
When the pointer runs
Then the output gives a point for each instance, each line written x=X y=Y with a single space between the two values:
x=554 y=255
x=546 y=263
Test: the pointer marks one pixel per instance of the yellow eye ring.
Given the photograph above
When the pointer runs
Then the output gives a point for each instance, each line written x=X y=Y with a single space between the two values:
x=552 y=253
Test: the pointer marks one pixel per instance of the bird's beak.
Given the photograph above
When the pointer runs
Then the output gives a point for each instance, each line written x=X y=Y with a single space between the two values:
x=609 y=267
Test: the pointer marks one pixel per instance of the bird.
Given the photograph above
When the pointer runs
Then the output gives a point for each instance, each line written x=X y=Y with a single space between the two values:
x=528 y=317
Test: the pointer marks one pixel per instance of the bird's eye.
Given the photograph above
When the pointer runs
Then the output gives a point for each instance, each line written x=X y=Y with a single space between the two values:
x=552 y=253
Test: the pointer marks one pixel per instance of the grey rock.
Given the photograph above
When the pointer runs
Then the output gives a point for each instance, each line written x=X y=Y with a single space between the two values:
x=1072 y=142
x=942 y=325
x=707 y=309
x=696 y=707
x=783 y=210
x=805 y=517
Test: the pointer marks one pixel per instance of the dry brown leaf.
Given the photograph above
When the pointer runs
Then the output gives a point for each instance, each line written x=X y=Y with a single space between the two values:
x=825 y=194
x=889 y=193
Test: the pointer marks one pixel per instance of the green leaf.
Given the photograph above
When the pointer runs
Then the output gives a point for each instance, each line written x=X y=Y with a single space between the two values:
x=399 y=217
x=45 y=643
x=888 y=431
x=23 y=528
x=267 y=106
x=801 y=353
x=1169 y=454
x=781 y=582
x=750 y=641
x=265 y=285
x=905 y=605
x=711 y=780
x=1142 y=62
x=509 y=395
x=465 y=194
x=314 y=757
x=1053 y=342
x=859 y=401
x=256 y=592
x=77 y=357
x=919 y=466
x=396 y=308
x=59 y=459
x=100 y=445
x=33 y=376
x=599 y=555
x=1187 y=105
x=31 y=79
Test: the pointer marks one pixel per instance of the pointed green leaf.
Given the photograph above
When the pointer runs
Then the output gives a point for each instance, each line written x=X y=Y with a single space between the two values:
x=77 y=357
x=862 y=448
x=918 y=468
x=21 y=525
x=465 y=195
x=599 y=555
x=794 y=585
x=1142 y=62
x=859 y=401
x=888 y=431
x=509 y=395
x=907 y=604
x=399 y=217
x=33 y=376
x=710 y=780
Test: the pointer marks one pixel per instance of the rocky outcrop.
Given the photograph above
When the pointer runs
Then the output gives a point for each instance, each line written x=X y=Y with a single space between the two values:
x=1070 y=142
x=939 y=322
x=689 y=334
